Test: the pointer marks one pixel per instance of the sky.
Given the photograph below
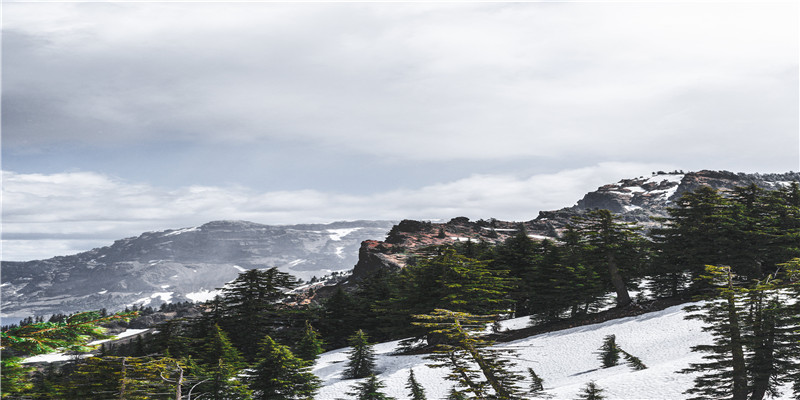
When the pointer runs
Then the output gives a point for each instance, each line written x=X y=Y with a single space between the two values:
x=125 y=117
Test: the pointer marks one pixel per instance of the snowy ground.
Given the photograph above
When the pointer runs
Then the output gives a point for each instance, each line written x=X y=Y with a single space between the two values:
x=566 y=360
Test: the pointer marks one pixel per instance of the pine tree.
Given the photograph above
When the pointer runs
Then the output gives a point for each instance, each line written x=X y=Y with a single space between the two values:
x=537 y=384
x=609 y=352
x=370 y=390
x=456 y=395
x=250 y=306
x=591 y=392
x=633 y=361
x=614 y=245
x=279 y=374
x=361 y=358
x=472 y=363
x=221 y=365
x=417 y=391
x=725 y=374
x=310 y=345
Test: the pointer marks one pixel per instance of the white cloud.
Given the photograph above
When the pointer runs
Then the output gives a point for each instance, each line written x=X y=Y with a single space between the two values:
x=46 y=215
x=446 y=81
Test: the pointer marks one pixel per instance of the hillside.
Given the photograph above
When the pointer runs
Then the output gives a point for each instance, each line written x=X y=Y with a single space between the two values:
x=189 y=263
x=565 y=359
x=178 y=265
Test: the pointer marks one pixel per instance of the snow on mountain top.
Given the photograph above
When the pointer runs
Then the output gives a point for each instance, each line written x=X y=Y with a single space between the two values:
x=675 y=178
x=181 y=231
x=566 y=360
x=338 y=234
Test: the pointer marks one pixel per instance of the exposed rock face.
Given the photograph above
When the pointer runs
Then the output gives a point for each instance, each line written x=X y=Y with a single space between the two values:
x=635 y=200
x=178 y=265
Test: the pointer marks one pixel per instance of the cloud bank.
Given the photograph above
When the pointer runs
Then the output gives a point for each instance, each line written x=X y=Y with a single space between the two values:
x=59 y=214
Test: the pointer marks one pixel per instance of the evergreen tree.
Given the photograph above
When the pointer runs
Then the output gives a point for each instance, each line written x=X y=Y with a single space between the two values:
x=614 y=245
x=250 y=306
x=456 y=395
x=725 y=374
x=591 y=392
x=310 y=345
x=633 y=361
x=473 y=364
x=417 y=391
x=361 y=358
x=370 y=390
x=609 y=352
x=221 y=363
x=280 y=375
x=537 y=384
x=449 y=281
x=339 y=318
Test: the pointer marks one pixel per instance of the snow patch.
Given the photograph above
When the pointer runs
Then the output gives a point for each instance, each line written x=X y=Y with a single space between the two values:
x=337 y=234
x=203 y=295
x=566 y=360
x=104 y=291
x=675 y=178
x=240 y=268
x=180 y=231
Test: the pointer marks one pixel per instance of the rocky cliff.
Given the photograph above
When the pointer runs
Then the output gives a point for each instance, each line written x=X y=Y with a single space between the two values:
x=635 y=200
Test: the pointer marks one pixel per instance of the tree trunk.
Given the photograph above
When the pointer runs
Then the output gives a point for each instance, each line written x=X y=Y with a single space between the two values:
x=737 y=352
x=623 y=298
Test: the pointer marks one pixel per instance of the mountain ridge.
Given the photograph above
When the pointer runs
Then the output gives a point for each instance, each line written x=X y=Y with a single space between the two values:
x=190 y=263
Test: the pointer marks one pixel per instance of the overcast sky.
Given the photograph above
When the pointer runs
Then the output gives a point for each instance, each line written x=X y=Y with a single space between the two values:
x=120 y=118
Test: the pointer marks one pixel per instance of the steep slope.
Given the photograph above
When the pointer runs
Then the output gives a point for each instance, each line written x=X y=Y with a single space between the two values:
x=566 y=360
x=178 y=265
x=635 y=200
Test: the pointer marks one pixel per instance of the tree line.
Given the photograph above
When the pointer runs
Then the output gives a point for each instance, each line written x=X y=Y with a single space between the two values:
x=255 y=342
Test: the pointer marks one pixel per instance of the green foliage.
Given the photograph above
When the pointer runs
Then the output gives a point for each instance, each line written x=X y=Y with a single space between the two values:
x=756 y=340
x=361 y=358
x=417 y=391
x=633 y=361
x=280 y=375
x=591 y=392
x=47 y=337
x=134 y=378
x=609 y=352
x=614 y=246
x=250 y=306
x=472 y=363
x=537 y=384
x=370 y=389
x=450 y=281
x=310 y=345
x=221 y=363
x=71 y=333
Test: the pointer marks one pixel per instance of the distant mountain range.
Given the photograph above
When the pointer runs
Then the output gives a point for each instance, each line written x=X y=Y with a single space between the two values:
x=190 y=263
x=178 y=265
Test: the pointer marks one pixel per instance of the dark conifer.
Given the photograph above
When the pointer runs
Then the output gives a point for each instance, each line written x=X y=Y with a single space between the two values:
x=417 y=391
x=310 y=345
x=370 y=389
x=591 y=392
x=609 y=352
x=361 y=358
x=280 y=375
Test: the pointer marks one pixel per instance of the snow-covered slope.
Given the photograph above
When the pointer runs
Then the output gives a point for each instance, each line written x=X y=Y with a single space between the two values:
x=566 y=360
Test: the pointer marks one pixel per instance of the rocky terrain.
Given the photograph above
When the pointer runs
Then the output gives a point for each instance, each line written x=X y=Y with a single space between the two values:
x=178 y=265
x=190 y=263
x=635 y=200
